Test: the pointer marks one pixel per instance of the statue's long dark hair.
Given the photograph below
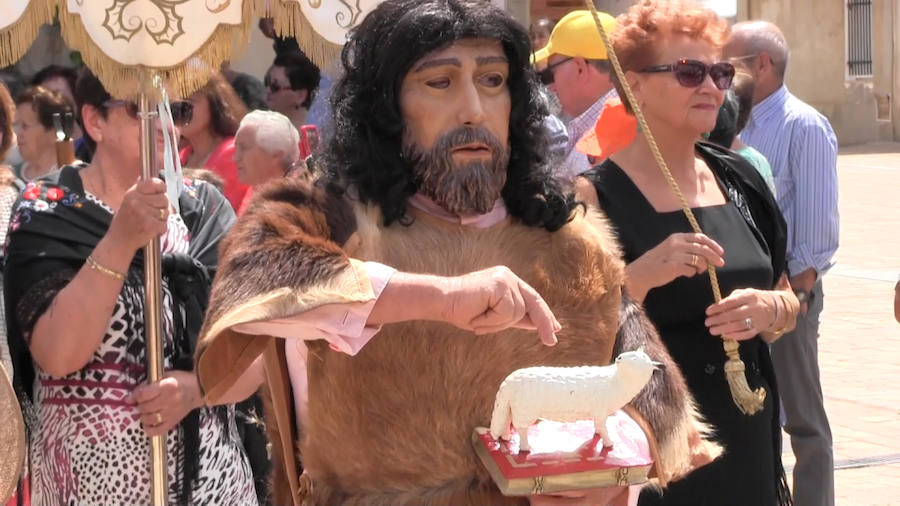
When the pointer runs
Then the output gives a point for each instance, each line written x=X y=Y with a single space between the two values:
x=364 y=148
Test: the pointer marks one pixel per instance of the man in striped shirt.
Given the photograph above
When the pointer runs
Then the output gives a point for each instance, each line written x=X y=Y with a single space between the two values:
x=802 y=150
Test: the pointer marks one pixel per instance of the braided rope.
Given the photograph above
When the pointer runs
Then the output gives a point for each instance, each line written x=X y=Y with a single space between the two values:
x=747 y=400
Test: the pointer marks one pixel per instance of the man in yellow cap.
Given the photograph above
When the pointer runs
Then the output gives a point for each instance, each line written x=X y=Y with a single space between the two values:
x=578 y=72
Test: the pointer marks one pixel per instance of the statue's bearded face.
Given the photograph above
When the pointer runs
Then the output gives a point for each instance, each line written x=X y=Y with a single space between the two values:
x=455 y=103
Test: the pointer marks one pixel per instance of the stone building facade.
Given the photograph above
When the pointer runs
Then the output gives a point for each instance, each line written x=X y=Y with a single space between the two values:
x=845 y=60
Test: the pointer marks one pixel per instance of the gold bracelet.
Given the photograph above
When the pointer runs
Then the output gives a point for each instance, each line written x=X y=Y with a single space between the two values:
x=774 y=325
x=93 y=264
x=780 y=330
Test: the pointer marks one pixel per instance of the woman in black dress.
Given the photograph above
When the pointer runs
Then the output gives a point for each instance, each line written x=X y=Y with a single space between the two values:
x=670 y=52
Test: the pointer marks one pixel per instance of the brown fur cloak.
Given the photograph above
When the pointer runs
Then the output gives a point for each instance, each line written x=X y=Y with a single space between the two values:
x=392 y=424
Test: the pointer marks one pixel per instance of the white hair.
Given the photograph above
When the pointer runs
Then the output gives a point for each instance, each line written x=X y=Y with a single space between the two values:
x=274 y=133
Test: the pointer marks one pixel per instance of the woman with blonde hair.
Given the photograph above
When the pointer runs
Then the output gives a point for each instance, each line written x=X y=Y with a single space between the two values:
x=672 y=59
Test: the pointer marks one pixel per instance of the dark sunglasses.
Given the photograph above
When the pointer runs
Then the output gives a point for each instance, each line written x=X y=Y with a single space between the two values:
x=275 y=86
x=182 y=110
x=691 y=73
x=546 y=75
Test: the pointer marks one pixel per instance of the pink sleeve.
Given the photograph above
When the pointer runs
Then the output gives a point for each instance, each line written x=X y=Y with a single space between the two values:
x=342 y=325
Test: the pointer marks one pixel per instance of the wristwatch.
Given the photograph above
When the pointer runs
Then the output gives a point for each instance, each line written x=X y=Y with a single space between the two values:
x=803 y=296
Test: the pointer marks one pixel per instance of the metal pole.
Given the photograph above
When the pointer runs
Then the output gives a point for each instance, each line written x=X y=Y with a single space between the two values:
x=153 y=303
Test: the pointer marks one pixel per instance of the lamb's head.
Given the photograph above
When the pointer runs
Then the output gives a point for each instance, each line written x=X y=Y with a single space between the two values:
x=636 y=363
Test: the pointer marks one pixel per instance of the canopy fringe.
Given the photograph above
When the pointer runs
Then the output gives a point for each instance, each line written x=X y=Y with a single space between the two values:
x=181 y=80
x=16 y=38
x=291 y=22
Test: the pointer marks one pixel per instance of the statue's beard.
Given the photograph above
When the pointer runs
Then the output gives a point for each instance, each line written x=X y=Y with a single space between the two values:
x=471 y=187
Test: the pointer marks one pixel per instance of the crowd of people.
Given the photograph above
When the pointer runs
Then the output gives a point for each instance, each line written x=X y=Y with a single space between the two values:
x=476 y=179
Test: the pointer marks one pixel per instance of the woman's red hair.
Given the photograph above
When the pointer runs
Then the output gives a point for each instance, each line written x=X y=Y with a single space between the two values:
x=645 y=27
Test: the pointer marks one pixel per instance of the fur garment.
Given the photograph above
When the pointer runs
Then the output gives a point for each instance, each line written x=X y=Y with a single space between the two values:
x=392 y=424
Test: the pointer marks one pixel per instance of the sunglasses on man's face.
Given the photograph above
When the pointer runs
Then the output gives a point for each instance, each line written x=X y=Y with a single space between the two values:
x=182 y=110
x=692 y=73
x=547 y=76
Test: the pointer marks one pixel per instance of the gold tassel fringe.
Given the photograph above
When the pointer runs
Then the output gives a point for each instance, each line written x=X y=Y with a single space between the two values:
x=181 y=80
x=747 y=400
x=291 y=22
x=18 y=37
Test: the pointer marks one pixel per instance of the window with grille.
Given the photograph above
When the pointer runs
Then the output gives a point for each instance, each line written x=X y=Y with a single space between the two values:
x=859 y=38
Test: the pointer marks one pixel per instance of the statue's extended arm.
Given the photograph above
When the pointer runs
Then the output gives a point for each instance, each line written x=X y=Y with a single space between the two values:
x=283 y=273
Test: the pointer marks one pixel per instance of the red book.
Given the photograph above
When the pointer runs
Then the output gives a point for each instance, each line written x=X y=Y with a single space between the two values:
x=566 y=456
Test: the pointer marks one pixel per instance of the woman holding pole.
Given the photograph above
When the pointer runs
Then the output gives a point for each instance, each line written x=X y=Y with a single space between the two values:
x=75 y=287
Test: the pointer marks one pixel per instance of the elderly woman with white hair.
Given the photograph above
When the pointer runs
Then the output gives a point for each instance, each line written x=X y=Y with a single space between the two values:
x=267 y=147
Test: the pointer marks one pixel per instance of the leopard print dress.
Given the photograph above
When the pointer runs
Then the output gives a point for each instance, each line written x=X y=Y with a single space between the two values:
x=88 y=446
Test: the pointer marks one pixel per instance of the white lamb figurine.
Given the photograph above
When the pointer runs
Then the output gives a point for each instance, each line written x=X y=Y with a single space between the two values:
x=568 y=394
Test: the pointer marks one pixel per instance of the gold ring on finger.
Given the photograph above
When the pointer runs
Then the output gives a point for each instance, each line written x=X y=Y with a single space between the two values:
x=159 y=418
x=694 y=260
x=163 y=214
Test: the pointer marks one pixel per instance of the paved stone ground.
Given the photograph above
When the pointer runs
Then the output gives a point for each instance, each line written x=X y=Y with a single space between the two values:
x=859 y=344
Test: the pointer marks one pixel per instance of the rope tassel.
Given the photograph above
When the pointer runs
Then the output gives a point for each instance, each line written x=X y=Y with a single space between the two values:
x=747 y=400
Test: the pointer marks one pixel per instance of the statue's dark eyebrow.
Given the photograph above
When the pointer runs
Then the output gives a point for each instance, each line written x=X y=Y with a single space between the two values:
x=487 y=60
x=481 y=60
x=440 y=62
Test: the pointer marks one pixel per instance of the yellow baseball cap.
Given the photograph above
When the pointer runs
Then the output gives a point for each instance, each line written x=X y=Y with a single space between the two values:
x=577 y=35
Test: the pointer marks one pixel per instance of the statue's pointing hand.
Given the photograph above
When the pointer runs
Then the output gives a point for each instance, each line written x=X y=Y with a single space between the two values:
x=495 y=299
